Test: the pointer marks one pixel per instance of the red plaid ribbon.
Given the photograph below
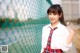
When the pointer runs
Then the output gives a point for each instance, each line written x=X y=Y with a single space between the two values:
x=48 y=47
x=52 y=51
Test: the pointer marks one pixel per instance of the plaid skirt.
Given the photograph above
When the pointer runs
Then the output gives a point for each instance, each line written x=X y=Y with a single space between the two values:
x=52 y=51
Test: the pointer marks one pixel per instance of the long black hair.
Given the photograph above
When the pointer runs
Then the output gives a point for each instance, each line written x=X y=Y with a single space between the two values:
x=56 y=9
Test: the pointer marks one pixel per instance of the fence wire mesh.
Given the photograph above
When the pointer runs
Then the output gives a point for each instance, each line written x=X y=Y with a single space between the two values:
x=21 y=24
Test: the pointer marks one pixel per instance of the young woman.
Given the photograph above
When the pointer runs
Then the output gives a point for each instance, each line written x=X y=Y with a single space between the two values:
x=56 y=37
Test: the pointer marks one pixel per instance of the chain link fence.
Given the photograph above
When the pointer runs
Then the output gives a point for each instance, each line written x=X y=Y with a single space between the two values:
x=21 y=23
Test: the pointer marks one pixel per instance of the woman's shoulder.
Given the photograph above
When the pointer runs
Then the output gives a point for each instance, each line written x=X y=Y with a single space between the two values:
x=68 y=29
x=46 y=26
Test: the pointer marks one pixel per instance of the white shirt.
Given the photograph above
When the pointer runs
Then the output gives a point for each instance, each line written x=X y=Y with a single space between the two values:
x=59 y=37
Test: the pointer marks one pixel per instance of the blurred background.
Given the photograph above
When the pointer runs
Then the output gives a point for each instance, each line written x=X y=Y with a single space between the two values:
x=21 y=23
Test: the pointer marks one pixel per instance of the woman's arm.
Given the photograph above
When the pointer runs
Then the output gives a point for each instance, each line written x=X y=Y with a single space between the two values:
x=70 y=37
x=68 y=41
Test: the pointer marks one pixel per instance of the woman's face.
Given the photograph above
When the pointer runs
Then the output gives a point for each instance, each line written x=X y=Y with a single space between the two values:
x=53 y=17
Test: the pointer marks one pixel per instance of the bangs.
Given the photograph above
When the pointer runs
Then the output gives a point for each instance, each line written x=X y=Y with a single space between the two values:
x=54 y=11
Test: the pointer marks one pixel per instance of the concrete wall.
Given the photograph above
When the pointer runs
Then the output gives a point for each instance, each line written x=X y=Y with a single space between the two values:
x=71 y=9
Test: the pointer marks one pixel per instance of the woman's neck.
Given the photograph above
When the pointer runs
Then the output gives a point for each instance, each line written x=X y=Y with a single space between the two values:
x=54 y=24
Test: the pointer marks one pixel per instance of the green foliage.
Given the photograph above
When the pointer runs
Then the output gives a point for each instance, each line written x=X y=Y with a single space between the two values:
x=7 y=22
x=10 y=23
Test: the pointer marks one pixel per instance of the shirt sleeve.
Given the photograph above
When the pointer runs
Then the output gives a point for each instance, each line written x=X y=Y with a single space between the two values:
x=42 y=40
x=66 y=46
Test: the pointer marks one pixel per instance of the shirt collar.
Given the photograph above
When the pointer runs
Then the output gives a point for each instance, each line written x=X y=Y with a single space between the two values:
x=58 y=25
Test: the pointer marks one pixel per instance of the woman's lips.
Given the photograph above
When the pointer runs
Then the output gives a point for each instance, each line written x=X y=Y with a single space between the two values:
x=52 y=19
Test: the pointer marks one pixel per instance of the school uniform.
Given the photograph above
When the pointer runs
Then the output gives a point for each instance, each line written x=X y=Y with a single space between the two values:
x=58 y=40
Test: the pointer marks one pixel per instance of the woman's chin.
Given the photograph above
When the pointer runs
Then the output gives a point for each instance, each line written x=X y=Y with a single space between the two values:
x=52 y=21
